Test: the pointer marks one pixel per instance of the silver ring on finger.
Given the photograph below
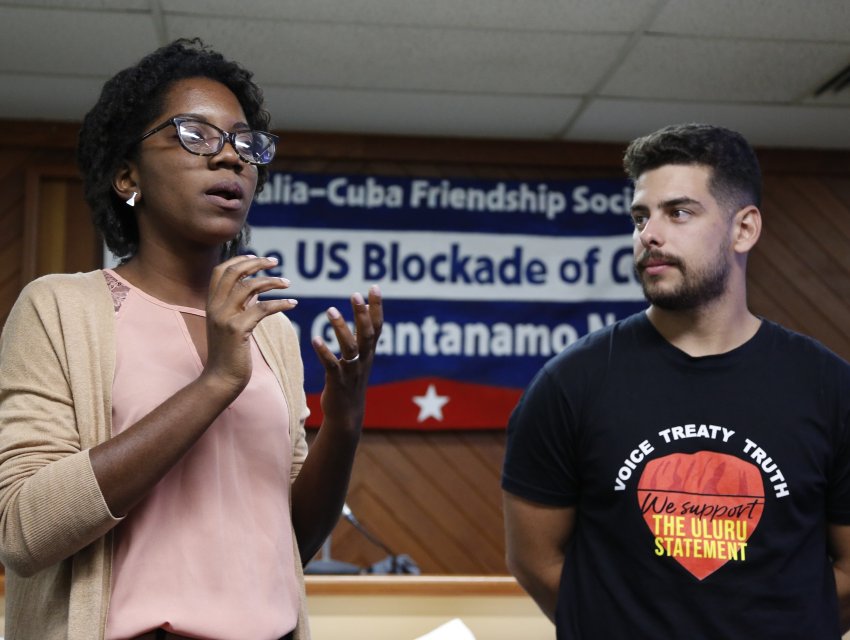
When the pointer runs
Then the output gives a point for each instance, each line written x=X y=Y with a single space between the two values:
x=350 y=360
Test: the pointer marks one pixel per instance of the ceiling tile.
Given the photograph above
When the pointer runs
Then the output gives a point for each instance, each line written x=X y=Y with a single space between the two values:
x=725 y=70
x=824 y=20
x=373 y=57
x=72 y=42
x=762 y=125
x=417 y=113
x=565 y=15
x=834 y=99
x=105 y=5
x=57 y=98
x=495 y=68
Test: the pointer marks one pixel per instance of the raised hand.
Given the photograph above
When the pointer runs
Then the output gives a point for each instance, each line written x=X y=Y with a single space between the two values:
x=233 y=312
x=347 y=376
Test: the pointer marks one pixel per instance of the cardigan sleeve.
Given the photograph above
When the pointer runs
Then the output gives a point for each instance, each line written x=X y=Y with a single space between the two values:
x=294 y=365
x=51 y=505
x=279 y=343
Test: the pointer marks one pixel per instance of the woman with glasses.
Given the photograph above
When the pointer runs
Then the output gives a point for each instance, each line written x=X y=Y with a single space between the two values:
x=154 y=477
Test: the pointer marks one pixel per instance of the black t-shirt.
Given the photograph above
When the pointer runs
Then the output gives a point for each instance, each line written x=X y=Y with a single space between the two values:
x=703 y=486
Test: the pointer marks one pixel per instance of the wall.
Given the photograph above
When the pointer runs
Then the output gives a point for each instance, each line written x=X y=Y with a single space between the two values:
x=436 y=497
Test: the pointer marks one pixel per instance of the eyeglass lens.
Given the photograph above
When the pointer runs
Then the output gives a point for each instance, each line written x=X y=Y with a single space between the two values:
x=204 y=139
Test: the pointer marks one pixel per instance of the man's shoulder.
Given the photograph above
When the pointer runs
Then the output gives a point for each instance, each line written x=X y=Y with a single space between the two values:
x=791 y=343
x=801 y=360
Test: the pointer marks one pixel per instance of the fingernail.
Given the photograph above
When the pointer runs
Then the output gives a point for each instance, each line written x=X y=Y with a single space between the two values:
x=375 y=289
x=292 y=301
x=271 y=259
x=358 y=299
x=285 y=281
x=333 y=313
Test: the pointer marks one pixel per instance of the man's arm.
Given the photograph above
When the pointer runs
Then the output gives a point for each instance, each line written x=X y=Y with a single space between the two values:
x=537 y=537
x=839 y=549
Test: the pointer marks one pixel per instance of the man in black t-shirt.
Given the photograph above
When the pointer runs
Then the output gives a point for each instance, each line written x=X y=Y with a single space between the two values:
x=685 y=473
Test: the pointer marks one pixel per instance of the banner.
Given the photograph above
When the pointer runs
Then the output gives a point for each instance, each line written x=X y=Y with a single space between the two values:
x=483 y=281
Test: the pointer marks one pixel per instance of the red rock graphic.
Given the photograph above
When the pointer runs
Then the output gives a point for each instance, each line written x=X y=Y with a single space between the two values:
x=702 y=508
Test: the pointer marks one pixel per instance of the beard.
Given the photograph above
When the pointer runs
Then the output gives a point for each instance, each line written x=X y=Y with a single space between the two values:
x=697 y=288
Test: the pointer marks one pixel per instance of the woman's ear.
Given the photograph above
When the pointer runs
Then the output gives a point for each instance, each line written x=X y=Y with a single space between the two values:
x=125 y=184
x=747 y=229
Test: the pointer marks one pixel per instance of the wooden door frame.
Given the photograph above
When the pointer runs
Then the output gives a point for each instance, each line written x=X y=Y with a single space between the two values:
x=35 y=177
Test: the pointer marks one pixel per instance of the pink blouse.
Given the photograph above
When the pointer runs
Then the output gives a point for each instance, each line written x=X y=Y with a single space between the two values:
x=209 y=553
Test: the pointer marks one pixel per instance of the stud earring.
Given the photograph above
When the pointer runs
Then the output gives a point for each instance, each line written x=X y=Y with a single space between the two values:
x=132 y=199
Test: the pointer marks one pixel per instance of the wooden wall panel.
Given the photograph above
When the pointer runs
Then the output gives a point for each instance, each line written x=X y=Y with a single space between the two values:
x=12 y=188
x=436 y=496
x=800 y=269
x=58 y=232
x=433 y=496
x=18 y=168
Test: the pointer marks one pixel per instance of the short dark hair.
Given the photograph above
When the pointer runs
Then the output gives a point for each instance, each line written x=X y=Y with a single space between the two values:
x=129 y=102
x=735 y=174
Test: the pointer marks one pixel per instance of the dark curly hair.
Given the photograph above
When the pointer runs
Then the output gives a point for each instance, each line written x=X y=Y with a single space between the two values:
x=735 y=174
x=128 y=103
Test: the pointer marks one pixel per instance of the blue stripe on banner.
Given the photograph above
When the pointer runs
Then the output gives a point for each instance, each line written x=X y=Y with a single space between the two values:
x=501 y=344
x=586 y=207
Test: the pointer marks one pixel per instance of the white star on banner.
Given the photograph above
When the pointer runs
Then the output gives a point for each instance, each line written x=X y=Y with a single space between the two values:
x=430 y=405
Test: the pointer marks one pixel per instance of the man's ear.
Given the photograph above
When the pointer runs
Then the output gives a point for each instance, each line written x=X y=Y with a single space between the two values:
x=746 y=229
x=125 y=184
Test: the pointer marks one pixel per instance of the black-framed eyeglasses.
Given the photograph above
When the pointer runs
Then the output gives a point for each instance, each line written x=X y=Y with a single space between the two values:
x=205 y=139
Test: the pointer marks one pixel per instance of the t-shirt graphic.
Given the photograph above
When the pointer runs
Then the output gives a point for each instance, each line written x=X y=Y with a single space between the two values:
x=701 y=508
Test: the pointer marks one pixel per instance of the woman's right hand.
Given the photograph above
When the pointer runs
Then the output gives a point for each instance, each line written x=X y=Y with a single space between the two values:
x=233 y=312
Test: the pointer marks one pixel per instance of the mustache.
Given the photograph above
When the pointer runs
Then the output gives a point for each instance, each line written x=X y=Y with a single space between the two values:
x=649 y=254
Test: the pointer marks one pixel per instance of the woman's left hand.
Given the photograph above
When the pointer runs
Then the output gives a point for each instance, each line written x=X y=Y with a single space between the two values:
x=347 y=376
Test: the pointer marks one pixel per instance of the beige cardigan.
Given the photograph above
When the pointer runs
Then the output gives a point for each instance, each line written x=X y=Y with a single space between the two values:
x=57 y=358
